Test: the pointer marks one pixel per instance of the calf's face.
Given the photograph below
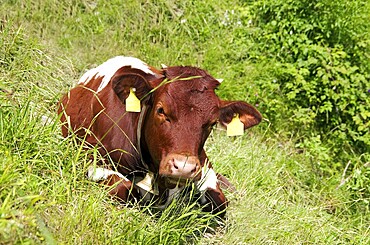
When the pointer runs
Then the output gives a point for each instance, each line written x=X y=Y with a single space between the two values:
x=182 y=116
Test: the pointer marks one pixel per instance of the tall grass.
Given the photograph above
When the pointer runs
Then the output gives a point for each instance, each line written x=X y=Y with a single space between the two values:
x=44 y=196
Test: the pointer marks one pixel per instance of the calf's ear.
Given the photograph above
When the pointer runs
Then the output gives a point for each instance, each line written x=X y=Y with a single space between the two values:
x=122 y=83
x=248 y=115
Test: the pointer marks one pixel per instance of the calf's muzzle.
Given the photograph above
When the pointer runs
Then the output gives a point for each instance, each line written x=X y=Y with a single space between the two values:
x=180 y=166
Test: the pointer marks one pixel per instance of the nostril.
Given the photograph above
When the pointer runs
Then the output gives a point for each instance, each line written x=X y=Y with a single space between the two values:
x=182 y=166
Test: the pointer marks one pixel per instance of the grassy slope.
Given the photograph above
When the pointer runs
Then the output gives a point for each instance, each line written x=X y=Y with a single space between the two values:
x=45 y=46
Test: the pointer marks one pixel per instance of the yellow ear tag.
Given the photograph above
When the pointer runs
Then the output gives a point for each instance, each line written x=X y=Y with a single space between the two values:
x=235 y=127
x=132 y=102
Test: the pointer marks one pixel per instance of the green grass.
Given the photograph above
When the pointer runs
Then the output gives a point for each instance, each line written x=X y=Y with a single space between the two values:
x=44 y=196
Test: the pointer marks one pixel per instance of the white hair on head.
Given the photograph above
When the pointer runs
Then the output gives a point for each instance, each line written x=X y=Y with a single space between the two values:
x=110 y=67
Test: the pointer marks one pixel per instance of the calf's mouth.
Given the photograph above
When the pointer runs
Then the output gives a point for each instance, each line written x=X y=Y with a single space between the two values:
x=180 y=168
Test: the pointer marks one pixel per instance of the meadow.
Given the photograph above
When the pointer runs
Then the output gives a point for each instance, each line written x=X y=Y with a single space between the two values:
x=287 y=191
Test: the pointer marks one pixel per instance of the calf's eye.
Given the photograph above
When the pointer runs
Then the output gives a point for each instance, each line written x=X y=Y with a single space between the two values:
x=160 y=110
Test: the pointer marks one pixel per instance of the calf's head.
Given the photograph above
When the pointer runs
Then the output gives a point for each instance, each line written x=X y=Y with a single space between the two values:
x=183 y=109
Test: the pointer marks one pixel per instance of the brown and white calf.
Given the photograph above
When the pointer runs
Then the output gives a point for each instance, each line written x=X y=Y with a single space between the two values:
x=159 y=149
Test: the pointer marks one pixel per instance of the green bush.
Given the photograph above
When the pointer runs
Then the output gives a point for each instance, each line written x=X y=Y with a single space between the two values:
x=316 y=51
x=316 y=54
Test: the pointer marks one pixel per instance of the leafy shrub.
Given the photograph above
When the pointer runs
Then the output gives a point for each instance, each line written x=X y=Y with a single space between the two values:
x=317 y=55
x=316 y=50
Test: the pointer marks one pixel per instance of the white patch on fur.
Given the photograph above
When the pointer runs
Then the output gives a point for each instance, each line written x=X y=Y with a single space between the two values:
x=208 y=180
x=148 y=183
x=98 y=174
x=110 y=67
x=88 y=76
x=220 y=80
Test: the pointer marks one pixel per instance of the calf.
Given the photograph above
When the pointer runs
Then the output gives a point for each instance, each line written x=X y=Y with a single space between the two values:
x=159 y=148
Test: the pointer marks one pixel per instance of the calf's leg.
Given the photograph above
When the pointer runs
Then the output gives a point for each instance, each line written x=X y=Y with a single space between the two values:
x=119 y=186
x=122 y=189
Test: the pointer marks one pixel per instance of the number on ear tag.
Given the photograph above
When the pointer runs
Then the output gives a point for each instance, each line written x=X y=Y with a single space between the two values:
x=132 y=102
x=235 y=127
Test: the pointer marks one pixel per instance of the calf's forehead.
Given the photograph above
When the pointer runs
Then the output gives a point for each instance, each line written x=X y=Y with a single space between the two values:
x=181 y=97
